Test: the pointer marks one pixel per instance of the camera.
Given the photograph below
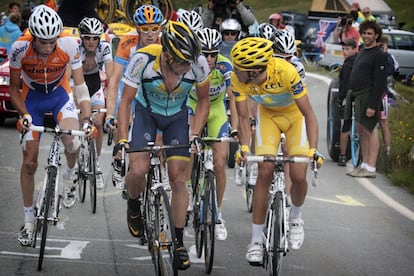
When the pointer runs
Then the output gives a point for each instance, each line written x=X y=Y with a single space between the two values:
x=346 y=20
x=220 y=2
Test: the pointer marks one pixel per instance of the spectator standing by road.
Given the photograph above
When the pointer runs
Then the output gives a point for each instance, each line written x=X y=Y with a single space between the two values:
x=10 y=31
x=276 y=20
x=368 y=82
x=349 y=51
x=367 y=14
x=345 y=31
x=219 y=10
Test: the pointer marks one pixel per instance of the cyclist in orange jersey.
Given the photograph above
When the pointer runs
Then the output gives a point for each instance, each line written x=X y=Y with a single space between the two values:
x=40 y=60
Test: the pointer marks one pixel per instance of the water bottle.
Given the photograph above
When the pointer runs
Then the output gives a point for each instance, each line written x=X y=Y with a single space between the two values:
x=239 y=170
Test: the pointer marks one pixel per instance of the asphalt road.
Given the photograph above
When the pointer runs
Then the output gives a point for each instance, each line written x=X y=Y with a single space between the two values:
x=352 y=227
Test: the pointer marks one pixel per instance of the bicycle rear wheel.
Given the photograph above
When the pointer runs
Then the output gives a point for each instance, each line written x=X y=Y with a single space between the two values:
x=92 y=174
x=277 y=235
x=165 y=234
x=209 y=220
x=195 y=182
x=51 y=178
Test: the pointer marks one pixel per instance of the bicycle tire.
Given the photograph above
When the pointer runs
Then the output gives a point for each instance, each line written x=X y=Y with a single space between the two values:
x=82 y=177
x=149 y=219
x=51 y=177
x=333 y=123
x=106 y=9
x=277 y=234
x=209 y=220
x=92 y=174
x=195 y=183
x=355 y=145
x=165 y=234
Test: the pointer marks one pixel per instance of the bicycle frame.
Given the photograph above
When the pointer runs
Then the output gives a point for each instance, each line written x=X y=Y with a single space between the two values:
x=355 y=143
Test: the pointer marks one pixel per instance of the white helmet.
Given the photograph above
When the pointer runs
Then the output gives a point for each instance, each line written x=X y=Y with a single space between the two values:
x=91 y=26
x=45 y=23
x=230 y=24
x=266 y=30
x=210 y=39
x=192 y=19
x=284 y=43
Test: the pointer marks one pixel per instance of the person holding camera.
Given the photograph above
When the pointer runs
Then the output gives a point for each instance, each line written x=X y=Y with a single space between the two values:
x=219 y=10
x=345 y=31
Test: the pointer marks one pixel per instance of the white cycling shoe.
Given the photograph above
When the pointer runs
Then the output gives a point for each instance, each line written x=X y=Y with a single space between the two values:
x=296 y=234
x=254 y=254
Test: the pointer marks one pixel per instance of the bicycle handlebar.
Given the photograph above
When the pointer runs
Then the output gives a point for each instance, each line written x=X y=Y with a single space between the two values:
x=57 y=130
x=93 y=111
x=155 y=148
x=277 y=159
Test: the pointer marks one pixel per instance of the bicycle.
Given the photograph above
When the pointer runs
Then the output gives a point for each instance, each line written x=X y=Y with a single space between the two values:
x=87 y=166
x=205 y=210
x=356 y=154
x=157 y=214
x=275 y=233
x=47 y=204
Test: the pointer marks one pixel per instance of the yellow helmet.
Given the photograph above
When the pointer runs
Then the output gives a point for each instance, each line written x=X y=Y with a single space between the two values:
x=251 y=53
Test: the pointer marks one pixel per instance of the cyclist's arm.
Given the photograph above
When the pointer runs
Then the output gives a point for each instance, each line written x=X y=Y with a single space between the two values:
x=85 y=104
x=15 y=95
x=113 y=82
x=203 y=106
x=244 y=122
x=124 y=111
x=233 y=110
x=312 y=128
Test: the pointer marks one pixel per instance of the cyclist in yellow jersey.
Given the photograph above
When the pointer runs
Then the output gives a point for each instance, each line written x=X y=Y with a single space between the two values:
x=283 y=107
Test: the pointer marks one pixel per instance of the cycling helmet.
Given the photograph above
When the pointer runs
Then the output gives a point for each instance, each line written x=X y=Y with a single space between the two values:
x=275 y=16
x=148 y=14
x=266 y=30
x=210 y=39
x=180 y=42
x=192 y=19
x=45 y=23
x=230 y=24
x=90 y=25
x=284 y=43
x=251 y=53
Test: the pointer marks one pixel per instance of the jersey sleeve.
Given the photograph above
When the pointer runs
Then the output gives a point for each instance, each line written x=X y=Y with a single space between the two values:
x=238 y=88
x=71 y=46
x=16 y=54
x=133 y=72
x=106 y=52
x=225 y=68
x=296 y=85
x=201 y=70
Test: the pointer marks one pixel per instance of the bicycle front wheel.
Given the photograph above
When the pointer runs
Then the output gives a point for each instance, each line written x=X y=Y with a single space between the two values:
x=92 y=174
x=51 y=178
x=82 y=176
x=209 y=220
x=355 y=145
x=165 y=234
x=277 y=234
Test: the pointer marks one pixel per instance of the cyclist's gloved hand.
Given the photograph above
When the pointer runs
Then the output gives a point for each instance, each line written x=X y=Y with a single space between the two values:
x=315 y=155
x=24 y=123
x=244 y=150
x=196 y=142
x=110 y=122
x=122 y=144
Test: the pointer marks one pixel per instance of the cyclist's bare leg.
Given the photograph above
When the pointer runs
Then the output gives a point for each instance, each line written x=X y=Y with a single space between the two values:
x=220 y=157
x=288 y=181
x=299 y=184
x=98 y=123
x=179 y=197
x=135 y=177
x=71 y=142
x=261 y=192
x=28 y=170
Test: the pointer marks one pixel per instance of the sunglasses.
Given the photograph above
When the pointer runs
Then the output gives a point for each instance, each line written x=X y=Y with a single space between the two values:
x=229 y=33
x=147 y=29
x=210 y=54
x=88 y=37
